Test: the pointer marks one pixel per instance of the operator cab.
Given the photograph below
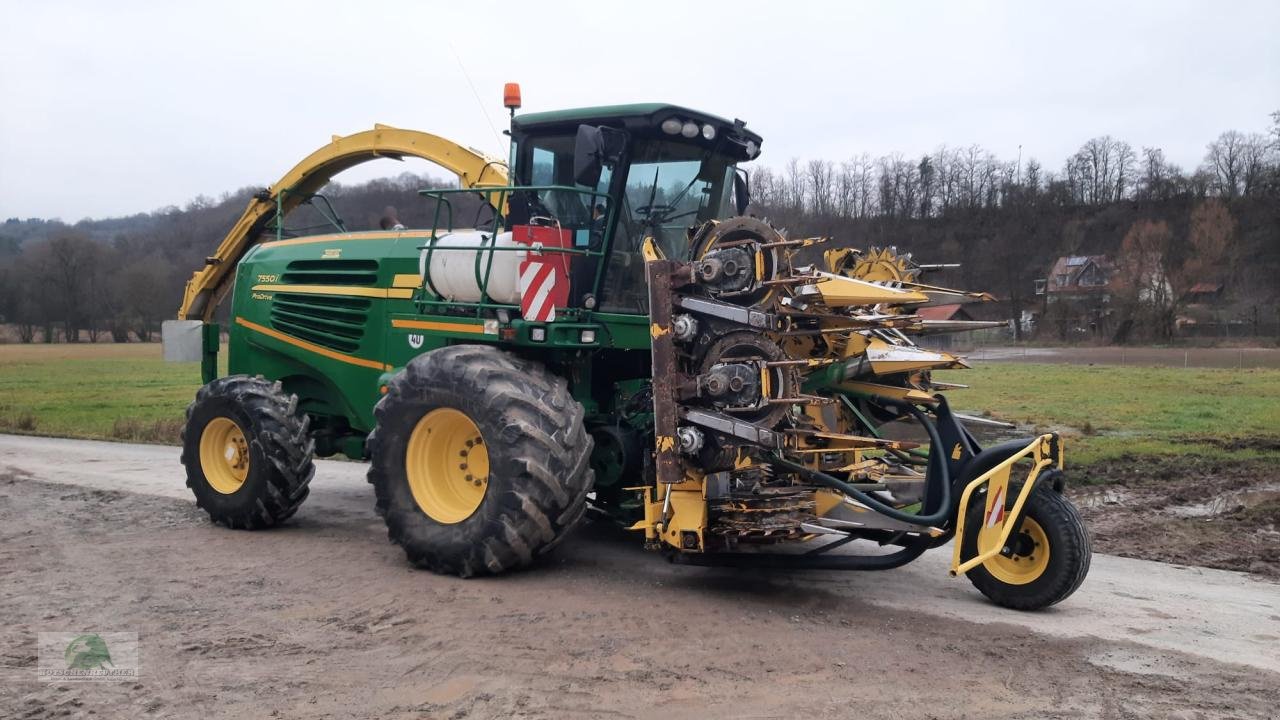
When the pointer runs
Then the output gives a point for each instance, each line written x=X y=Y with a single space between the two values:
x=614 y=176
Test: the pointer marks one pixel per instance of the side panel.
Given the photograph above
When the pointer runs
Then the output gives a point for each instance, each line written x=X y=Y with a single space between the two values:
x=309 y=312
x=330 y=316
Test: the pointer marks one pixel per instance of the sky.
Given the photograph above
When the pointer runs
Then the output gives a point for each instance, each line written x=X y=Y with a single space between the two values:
x=122 y=107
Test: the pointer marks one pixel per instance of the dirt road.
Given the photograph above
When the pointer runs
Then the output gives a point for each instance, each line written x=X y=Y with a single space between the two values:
x=323 y=618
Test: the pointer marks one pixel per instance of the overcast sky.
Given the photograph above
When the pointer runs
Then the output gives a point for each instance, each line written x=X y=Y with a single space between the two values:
x=110 y=108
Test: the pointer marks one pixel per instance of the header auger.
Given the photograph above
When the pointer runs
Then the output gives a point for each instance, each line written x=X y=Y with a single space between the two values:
x=613 y=333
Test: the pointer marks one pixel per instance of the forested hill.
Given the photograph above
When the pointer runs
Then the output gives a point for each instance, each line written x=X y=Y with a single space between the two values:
x=1164 y=228
x=122 y=276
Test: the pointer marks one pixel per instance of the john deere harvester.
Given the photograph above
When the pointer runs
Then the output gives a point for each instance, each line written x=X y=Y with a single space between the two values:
x=596 y=324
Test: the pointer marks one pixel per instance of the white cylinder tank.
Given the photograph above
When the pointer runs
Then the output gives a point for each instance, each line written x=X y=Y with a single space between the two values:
x=453 y=270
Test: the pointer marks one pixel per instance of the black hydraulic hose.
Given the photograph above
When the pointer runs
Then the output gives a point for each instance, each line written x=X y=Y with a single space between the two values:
x=935 y=446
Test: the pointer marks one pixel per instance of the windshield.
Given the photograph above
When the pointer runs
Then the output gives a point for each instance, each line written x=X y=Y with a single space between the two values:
x=670 y=187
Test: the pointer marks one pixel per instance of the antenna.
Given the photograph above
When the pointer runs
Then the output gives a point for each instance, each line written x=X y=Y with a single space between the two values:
x=483 y=110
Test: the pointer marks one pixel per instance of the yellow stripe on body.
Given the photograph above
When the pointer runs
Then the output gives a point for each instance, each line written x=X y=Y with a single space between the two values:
x=373 y=292
x=439 y=326
x=366 y=235
x=312 y=347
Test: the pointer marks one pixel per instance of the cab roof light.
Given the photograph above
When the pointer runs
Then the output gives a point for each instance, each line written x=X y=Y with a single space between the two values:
x=511 y=96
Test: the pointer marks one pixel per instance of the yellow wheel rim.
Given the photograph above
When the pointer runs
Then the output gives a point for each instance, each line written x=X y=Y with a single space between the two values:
x=447 y=465
x=1022 y=569
x=224 y=455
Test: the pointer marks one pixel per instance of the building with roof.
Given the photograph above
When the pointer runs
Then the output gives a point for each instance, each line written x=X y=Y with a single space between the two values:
x=1077 y=294
x=1078 y=277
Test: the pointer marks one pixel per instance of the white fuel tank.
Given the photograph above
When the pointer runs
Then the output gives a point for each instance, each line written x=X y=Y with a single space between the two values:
x=453 y=270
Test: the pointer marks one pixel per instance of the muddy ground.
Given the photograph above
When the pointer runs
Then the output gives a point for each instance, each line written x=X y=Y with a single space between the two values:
x=323 y=619
x=1192 y=511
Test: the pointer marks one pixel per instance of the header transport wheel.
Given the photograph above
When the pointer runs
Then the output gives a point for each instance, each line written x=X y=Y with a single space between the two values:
x=480 y=460
x=1045 y=560
x=247 y=452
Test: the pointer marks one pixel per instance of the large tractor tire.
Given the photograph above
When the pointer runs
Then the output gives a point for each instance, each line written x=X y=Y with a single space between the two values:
x=247 y=452
x=480 y=460
x=1049 y=557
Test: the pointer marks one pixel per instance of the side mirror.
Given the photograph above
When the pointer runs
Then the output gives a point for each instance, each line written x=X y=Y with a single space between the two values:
x=594 y=149
x=741 y=190
x=588 y=156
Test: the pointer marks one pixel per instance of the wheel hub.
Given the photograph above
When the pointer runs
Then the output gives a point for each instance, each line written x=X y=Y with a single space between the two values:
x=1024 y=557
x=224 y=455
x=447 y=465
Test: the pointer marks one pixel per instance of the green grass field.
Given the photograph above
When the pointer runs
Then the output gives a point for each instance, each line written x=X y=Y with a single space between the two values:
x=1108 y=412
x=127 y=392
x=117 y=392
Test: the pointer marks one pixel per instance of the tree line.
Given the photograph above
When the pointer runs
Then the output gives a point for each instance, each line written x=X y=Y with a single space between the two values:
x=1164 y=227
x=1104 y=170
x=1004 y=220
x=119 y=278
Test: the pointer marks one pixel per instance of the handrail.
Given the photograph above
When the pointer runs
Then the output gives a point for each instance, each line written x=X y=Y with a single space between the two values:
x=488 y=243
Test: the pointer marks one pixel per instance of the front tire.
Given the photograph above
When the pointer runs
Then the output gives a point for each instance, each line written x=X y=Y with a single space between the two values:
x=479 y=460
x=247 y=452
x=1050 y=557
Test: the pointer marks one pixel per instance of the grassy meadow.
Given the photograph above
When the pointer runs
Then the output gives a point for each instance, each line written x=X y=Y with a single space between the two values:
x=1108 y=411
x=127 y=392
x=97 y=391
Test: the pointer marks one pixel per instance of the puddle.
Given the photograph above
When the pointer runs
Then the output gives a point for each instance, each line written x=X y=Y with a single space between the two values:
x=1228 y=502
x=1101 y=497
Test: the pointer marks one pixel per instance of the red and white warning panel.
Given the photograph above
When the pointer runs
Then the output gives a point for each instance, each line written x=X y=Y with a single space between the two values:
x=544 y=274
x=995 y=513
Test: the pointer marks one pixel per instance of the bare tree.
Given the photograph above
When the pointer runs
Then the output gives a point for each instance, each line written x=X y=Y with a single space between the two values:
x=1032 y=177
x=1101 y=170
x=1125 y=160
x=1225 y=159
x=67 y=265
x=795 y=187
x=847 y=179
x=146 y=299
x=1254 y=156
x=865 y=185
x=820 y=177
x=1154 y=182
x=925 y=171
x=765 y=190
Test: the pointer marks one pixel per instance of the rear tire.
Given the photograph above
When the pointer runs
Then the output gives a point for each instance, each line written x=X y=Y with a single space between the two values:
x=247 y=452
x=1051 y=523
x=500 y=460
